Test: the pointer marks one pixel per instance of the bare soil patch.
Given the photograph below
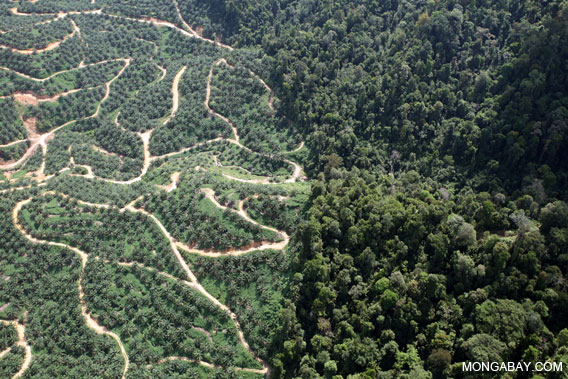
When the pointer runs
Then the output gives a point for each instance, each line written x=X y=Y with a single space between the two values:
x=30 y=125
x=32 y=98
x=26 y=99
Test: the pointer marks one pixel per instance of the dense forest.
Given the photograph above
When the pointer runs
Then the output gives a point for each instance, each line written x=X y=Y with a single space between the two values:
x=158 y=219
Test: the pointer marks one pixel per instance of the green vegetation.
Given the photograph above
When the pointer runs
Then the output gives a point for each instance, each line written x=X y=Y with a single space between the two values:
x=150 y=105
x=159 y=317
x=11 y=126
x=113 y=235
x=13 y=152
x=241 y=97
x=96 y=191
x=85 y=77
x=275 y=210
x=192 y=218
x=66 y=57
x=30 y=37
x=8 y=22
x=190 y=370
x=425 y=273
x=55 y=6
x=12 y=361
x=252 y=163
x=8 y=336
x=437 y=128
x=85 y=150
x=95 y=218
x=67 y=108
x=252 y=285
x=191 y=123
x=143 y=8
x=137 y=239
x=40 y=287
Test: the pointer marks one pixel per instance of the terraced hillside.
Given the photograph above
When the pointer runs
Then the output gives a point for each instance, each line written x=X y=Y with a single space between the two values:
x=141 y=165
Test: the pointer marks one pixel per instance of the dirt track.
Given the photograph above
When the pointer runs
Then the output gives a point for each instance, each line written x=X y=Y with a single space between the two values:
x=21 y=331
x=298 y=148
x=208 y=96
x=50 y=46
x=173 y=185
x=60 y=72
x=196 y=35
x=175 y=94
x=209 y=365
x=210 y=194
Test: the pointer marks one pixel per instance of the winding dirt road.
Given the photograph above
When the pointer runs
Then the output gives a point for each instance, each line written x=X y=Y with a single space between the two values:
x=88 y=175
x=160 y=23
x=297 y=173
x=50 y=46
x=108 y=84
x=194 y=283
x=211 y=111
x=297 y=149
x=195 y=34
x=60 y=72
x=209 y=365
x=173 y=185
x=167 y=24
x=210 y=194
x=175 y=95
x=266 y=245
x=147 y=135
x=270 y=92
x=14 y=143
x=197 y=286
x=105 y=152
x=185 y=24
x=35 y=142
x=15 y=189
x=163 y=73
x=175 y=100
x=21 y=331
x=219 y=164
